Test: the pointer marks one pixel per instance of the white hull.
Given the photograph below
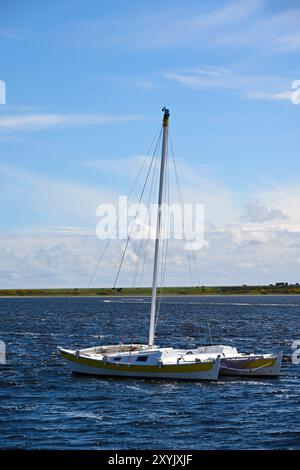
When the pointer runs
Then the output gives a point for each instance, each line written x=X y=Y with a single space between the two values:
x=160 y=374
x=84 y=363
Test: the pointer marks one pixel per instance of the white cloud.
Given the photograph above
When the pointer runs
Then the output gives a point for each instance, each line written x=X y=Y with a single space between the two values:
x=198 y=186
x=45 y=254
x=251 y=86
x=44 y=121
x=241 y=236
x=264 y=248
x=270 y=33
x=280 y=96
x=61 y=231
x=256 y=212
x=236 y=24
x=290 y=41
x=52 y=200
x=129 y=165
x=162 y=28
x=66 y=257
x=68 y=260
x=287 y=200
x=29 y=261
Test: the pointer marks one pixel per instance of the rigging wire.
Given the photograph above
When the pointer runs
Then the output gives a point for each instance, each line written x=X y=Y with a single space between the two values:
x=209 y=331
x=142 y=239
x=190 y=254
x=151 y=202
x=166 y=234
x=139 y=203
x=159 y=131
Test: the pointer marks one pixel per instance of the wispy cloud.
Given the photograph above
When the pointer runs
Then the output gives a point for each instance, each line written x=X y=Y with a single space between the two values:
x=272 y=33
x=290 y=42
x=153 y=29
x=53 y=200
x=44 y=121
x=129 y=165
x=235 y=24
x=280 y=96
x=252 y=86
x=198 y=186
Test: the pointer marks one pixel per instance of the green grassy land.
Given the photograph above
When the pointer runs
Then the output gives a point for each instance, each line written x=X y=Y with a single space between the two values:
x=201 y=290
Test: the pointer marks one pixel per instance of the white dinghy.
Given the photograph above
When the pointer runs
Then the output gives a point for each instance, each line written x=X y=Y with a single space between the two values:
x=250 y=365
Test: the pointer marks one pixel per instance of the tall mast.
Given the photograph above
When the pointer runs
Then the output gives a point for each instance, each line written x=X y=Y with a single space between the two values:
x=158 y=225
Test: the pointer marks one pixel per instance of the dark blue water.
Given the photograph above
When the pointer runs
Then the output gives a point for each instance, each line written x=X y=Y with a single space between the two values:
x=43 y=406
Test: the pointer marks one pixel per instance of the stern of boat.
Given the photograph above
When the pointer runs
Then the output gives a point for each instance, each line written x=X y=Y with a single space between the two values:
x=257 y=366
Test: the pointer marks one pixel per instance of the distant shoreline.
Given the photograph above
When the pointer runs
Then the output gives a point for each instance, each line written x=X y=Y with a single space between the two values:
x=132 y=296
x=201 y=291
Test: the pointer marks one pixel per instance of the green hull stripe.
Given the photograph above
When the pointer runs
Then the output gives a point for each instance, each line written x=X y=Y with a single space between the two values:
x=176 y=368
x=258 y=363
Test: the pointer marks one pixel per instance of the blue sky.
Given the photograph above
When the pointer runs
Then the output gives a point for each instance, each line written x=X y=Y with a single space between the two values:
x=86 y=81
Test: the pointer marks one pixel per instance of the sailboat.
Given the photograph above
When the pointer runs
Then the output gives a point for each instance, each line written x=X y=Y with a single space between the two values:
x=146 y=360
x=151 y=361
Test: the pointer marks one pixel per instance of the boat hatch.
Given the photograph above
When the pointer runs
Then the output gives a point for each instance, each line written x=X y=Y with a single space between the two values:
x=141 y=358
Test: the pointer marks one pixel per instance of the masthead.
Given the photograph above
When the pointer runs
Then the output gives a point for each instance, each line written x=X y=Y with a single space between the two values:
x=166 y=116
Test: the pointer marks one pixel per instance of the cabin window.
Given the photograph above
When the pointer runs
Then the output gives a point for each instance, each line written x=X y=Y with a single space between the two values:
x=117 y=358
x=141 y=358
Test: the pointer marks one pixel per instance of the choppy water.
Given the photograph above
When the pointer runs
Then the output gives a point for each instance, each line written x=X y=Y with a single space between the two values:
x=43 y=406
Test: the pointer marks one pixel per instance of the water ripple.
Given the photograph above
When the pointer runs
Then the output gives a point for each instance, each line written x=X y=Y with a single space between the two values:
x=42 y=406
